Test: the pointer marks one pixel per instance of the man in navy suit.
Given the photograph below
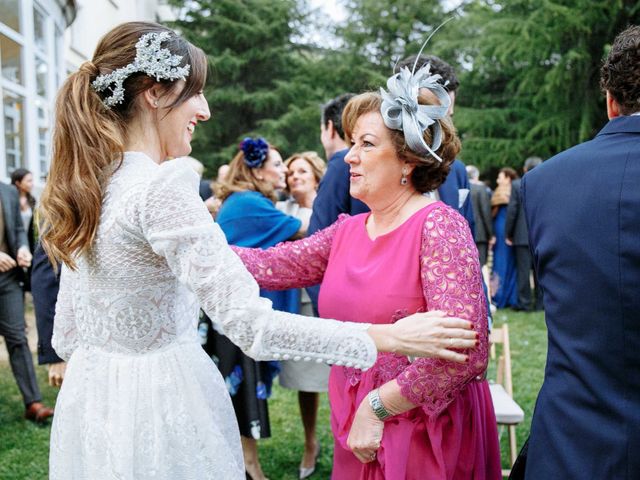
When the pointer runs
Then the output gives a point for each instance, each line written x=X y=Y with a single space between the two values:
x=517 y=236
x=583 y=213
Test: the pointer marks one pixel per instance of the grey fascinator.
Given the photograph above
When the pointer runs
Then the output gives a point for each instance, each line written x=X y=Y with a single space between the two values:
x=401 y=111
x=151 y=58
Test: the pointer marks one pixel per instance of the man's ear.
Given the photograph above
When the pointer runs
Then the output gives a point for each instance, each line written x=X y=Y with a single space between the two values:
x=331 y=128
x=613 y=107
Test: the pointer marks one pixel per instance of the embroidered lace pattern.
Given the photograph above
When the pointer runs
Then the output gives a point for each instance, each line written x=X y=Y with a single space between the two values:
x=291 y=264
x=141 y=399
x=451 y=282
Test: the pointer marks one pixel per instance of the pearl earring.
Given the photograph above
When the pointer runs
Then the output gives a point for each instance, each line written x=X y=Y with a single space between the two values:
x=403 y=180
x=155 y=103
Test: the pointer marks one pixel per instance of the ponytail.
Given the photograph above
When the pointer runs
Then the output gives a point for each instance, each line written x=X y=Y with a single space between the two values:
x=87 y=139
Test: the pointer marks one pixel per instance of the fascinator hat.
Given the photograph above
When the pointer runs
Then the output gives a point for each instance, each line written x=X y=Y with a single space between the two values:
x=400 y=109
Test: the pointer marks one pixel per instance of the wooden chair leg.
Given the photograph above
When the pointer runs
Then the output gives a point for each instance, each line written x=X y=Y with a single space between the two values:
x=512 y=444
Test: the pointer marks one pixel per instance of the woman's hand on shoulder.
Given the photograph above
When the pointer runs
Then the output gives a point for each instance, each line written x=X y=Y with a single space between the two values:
x=430 y=334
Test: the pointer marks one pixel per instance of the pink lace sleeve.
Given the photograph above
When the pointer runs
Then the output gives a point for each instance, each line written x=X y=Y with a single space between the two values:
x=295 y=264
x=451 y=282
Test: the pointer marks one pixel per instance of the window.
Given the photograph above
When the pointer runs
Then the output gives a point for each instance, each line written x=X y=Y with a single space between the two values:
x=13 y=107
x=11 y=53
x=10 y=14
x=32 y=61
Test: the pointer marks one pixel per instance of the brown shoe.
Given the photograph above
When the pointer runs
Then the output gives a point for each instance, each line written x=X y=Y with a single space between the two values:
x=37 y=412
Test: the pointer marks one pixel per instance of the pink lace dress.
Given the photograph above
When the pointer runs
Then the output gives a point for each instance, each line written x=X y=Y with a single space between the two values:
x=428 y=263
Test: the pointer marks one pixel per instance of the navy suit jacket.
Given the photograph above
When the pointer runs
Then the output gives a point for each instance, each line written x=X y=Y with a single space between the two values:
x=515 y=225
x=45 y=284
x=583 y=213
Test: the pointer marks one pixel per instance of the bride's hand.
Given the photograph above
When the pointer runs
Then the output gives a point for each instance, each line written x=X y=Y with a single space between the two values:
x=430 y=334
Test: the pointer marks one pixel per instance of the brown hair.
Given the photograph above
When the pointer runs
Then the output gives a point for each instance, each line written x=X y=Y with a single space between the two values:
x=620 y=73
x=317 y=164
x=428 y=173
x=509 y=172
x=241 y=178
x=89 y=138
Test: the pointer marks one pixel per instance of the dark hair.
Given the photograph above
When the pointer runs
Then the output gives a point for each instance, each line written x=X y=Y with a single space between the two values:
x=332 y=110
x=88 y=137
x=428 y=173
x=620 y=73
x=509 y=172
x=17 y=176
x=438 y=66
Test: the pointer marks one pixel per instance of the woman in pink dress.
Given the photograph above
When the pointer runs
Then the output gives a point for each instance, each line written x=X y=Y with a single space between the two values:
x=402 y=419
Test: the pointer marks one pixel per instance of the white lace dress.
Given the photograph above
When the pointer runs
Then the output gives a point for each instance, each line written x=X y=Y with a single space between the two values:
x=141 y=399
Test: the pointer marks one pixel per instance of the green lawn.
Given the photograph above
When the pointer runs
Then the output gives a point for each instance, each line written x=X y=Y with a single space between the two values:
x=24 y=446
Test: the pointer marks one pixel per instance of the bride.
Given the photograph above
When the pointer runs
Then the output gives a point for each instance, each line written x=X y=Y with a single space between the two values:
x=140 y=254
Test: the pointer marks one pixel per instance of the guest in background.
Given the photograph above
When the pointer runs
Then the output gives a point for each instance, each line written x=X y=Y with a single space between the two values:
x=248 y=217
x=22 y=179
x=503 y=276
x=481 y=203
x=305 y=170
x=14 y=256
x=517 y=236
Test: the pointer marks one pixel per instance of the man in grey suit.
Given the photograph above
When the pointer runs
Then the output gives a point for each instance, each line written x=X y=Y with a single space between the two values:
x=481 y=204
x=517 y=235
x=14 y=256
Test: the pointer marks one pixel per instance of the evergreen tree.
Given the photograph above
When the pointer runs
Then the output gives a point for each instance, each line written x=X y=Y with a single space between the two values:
x=531 y=85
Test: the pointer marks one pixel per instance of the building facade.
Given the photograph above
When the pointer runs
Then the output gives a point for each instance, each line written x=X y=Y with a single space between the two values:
x=41 y=41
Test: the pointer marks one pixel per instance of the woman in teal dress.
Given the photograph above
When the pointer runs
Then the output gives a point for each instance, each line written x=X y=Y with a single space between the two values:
x=248 y=217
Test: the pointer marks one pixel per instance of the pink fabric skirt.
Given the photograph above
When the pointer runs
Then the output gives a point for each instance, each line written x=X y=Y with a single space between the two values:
x=458 y=444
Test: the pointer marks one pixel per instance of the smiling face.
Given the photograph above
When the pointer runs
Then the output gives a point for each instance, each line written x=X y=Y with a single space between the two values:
x=273 y=171
x=300 y=177
x=175 y=128
x=375 y=169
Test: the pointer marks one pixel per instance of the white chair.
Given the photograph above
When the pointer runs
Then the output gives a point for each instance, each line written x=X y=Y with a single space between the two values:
x=508 y=412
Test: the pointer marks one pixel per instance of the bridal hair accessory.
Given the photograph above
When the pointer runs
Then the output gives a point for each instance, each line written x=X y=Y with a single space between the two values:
x=151 y=59
x=401 y=111
x=255 y=151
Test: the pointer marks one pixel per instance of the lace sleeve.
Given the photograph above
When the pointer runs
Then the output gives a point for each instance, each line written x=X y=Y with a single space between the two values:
x=65 y=340
x=451 y=282
x=179 y=228
x=291 y=264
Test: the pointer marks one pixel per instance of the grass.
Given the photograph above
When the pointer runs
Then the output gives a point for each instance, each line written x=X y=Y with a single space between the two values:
x=24 y=446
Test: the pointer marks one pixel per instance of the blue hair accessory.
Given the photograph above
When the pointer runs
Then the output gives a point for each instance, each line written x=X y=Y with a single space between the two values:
x=401 y=111
x=255 y=151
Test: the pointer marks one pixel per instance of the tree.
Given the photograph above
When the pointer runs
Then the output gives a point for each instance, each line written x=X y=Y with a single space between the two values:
x=531 y=84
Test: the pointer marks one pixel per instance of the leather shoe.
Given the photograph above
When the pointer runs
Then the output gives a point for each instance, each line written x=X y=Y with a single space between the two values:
x=38 y=412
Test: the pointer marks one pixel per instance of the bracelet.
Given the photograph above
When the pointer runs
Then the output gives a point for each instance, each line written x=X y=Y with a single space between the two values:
x=377 y=406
